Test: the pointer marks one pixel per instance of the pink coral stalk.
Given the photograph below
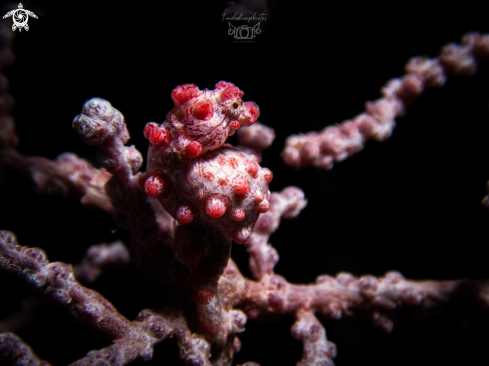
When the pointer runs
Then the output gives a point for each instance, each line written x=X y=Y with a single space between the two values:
x=336 y=143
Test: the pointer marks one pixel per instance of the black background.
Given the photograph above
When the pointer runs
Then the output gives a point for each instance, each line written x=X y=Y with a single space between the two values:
x=411 y=203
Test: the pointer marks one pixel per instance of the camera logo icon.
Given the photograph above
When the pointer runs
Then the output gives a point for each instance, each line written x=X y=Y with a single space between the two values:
x=244 y=32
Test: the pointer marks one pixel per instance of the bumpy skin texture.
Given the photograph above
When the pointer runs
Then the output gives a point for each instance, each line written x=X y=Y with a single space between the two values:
x=221 y=187
x=202 y=119
x=224 y=188
x=214 y=192
x=215 y=198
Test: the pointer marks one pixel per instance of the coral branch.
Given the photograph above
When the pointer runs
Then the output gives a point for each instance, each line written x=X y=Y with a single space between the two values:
x=14 y=352
x=254 y=139
x=99 y=258
x=56 y=280
x=67 y=176
x=379 y=298
x=101 y=124
x=133 y=340
x=348 y=295
x=263 y=257
x=317 y=349
x=194 y=349
x=336 y=143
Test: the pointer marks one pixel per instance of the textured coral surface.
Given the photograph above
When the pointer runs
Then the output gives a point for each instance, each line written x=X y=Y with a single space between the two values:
x=411 y=203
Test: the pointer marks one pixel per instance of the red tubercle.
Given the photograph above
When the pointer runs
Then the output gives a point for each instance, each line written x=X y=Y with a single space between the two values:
x=259 y=196
x=251 y=168
x=231 y=92
x=183 y=93
x=250 y=114
x=263 y=207
x=186 y=214
x=148 y=128
x=192 y=150
x=241 y=186
x=267 y=175
x=227 y=145
x=202 y=110
x=234 y=125
x=157 y=184
x=223 y=85
x=203 y=296
x=241 y=236
x=154 y=186
x=216 y=205
x=238 y=215
x=159 y=137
